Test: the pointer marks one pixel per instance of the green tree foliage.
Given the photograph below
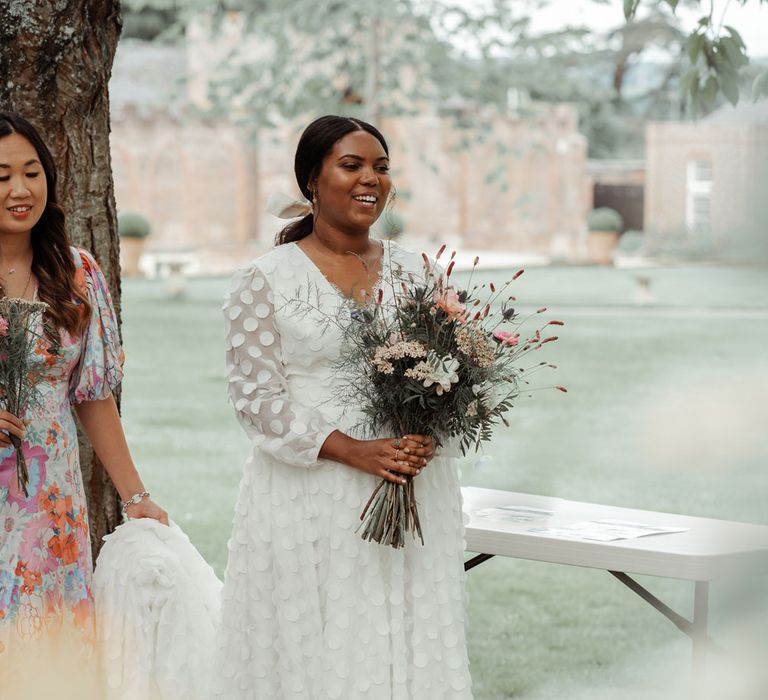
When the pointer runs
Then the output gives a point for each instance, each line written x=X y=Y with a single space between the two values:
x=605 y=74
x=290 y=59
x=716 y=55
x=367 y=58
x=152 y=20
x=299 y=57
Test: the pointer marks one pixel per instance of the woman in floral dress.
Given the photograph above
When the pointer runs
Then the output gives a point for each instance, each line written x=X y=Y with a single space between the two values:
x=45 y=553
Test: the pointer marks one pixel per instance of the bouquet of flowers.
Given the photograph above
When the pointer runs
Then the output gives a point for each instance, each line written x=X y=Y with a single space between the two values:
x=19 y=373
x=434 y=360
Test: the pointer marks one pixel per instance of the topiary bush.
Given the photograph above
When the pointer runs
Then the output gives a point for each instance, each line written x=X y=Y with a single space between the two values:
x=605 y=219
x=131 y=224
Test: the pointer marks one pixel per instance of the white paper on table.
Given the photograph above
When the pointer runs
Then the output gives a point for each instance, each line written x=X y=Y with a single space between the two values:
x=605 y=530
x=514 y=514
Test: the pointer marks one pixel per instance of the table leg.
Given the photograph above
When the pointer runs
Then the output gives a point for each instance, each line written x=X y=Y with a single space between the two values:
x=700 y=638
x=474 y=561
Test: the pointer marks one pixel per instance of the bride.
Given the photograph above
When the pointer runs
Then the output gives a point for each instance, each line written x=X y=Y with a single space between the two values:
x=310 y=610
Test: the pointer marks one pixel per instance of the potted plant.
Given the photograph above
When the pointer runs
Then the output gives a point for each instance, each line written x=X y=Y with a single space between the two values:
x=132 y=228
x=605 y=225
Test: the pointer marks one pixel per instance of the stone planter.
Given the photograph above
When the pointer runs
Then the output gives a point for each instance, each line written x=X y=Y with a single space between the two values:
x=131 y=248
x=600 y=246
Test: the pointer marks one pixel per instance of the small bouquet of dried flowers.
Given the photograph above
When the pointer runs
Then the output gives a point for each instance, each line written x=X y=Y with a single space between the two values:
x=20 y=374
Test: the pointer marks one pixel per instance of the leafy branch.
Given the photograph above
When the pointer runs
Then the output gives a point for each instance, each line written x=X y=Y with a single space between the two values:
x=717 y=55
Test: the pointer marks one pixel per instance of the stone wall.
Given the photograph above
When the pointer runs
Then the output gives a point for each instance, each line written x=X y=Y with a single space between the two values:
x=204 y=186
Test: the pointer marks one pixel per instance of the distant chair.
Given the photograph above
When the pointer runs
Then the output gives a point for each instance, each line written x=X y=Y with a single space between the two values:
x=643 y=294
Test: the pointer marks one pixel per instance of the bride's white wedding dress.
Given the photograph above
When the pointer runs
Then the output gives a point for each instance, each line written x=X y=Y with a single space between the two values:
x=310 y=610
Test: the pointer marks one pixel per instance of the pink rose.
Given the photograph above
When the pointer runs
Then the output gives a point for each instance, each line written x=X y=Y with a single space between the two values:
x=507 y=338
x=3 y=327
x=448 y=301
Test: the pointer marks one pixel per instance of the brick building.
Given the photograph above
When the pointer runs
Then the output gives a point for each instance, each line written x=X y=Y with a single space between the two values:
x=707 y=182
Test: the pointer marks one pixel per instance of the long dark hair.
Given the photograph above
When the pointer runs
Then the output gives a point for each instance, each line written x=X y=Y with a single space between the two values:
x=52 y=261
x=315 y=144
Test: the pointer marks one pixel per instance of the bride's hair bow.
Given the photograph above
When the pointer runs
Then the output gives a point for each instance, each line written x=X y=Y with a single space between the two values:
x=285 y=207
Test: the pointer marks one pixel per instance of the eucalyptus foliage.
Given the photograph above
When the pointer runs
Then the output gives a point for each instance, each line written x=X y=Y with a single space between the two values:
x=20 y=372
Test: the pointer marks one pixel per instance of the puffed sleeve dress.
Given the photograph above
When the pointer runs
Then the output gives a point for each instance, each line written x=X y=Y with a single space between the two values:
x=45 y=550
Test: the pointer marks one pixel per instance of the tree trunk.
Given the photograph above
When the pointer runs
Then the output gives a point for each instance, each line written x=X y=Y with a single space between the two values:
x=55 y=64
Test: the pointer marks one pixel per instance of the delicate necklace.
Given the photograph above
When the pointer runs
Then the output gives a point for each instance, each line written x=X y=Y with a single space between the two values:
x=26 y=286
x=379 y=259
x=12 y=271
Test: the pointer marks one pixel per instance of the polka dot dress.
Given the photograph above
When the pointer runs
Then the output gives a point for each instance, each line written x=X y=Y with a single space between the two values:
x=310 y=610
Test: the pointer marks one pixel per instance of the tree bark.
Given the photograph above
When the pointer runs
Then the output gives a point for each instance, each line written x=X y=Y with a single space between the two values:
x=55 y=64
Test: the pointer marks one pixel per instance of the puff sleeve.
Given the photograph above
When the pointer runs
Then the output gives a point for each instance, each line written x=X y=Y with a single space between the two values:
x=273 y=420
x=100 y=368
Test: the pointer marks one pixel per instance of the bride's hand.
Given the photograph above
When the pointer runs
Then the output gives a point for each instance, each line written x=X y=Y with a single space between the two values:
x=418 y=447
x=147 y=508
x=391 y=458
x=10 y=424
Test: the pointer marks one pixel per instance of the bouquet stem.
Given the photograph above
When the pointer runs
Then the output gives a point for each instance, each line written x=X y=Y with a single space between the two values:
x=22 y=473
x=391 y=514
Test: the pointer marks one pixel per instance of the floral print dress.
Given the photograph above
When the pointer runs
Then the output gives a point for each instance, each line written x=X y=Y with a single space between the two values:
x=45 y=552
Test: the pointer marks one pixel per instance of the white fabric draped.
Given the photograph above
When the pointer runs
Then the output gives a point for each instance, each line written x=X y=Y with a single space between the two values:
x=157 y=611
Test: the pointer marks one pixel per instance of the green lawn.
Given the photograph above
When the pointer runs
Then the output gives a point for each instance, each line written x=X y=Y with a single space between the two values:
x=664 y=411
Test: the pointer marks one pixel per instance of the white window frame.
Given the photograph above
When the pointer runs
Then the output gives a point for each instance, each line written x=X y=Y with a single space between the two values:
x=698 y=188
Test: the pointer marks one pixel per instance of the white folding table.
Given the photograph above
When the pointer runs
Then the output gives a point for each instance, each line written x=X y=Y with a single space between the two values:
x=706 y=551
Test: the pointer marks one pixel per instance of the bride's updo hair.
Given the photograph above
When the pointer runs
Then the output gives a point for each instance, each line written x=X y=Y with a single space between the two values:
x=315 y=144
